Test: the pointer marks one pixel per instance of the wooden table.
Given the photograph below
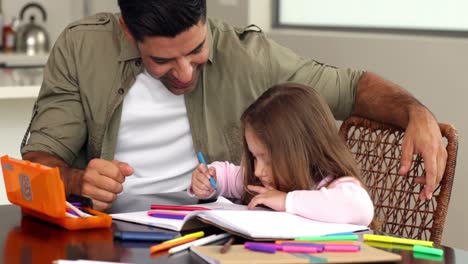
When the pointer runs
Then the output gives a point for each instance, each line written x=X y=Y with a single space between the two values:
x=24 y=239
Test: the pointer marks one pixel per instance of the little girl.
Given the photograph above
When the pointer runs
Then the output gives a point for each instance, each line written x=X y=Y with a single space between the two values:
x=293 y=161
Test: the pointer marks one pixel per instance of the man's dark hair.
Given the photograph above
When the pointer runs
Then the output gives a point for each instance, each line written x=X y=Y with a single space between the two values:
x=166 y=18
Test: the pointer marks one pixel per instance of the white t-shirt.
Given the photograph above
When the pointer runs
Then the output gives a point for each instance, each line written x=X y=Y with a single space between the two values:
x=155 y=139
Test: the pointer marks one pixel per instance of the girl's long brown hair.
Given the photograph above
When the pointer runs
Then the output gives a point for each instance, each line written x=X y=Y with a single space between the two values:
x=298 y=130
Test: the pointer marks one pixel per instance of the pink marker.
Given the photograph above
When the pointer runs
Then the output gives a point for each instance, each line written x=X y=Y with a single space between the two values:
x=301 y=249
x=341 y=248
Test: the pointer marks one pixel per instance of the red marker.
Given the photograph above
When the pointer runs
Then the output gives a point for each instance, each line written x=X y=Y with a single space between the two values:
x=178 y=207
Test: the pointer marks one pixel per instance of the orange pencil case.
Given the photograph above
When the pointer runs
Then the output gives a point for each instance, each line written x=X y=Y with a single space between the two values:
x=39 y=191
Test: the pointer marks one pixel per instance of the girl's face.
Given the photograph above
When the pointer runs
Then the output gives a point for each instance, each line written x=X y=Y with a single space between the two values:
x=262 y=159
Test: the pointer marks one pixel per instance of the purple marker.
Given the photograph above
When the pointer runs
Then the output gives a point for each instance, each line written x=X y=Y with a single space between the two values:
x=70 y=211
x=167 y=215
x=273 y=245
x=261 y=247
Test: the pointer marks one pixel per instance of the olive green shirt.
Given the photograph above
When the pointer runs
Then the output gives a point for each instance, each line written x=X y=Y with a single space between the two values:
x=92 y=66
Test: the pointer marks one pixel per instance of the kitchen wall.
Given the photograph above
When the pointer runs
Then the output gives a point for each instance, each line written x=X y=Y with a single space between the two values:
x=59 y=12
x=432 y=67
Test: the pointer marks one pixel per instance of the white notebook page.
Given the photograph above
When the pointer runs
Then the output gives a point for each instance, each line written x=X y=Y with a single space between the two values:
x=271 y=224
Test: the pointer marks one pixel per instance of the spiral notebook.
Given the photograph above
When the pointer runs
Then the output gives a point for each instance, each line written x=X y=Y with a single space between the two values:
x=237 y=219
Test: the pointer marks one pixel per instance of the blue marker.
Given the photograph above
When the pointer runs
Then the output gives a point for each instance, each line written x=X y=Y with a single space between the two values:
x=143 y=236
x=202 y=160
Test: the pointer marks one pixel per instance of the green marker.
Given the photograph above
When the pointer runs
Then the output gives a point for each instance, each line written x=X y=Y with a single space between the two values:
x=329 y=238
x=428 y=250
x=417 y=255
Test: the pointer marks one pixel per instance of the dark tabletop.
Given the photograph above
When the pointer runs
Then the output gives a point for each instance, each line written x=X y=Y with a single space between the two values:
x=24 y=239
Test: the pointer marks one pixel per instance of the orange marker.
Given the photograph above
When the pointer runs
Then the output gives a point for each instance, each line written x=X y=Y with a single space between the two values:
x=168 y=245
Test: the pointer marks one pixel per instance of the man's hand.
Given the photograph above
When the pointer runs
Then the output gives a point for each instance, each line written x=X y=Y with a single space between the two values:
x=268 y=196
x=201 y=186
x=386 y=102
x=423 y=137
x=102 y=181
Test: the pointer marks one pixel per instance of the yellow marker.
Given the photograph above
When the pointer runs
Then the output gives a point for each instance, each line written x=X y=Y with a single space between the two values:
x=397 y=240
x=195 y=235
x=388 y=245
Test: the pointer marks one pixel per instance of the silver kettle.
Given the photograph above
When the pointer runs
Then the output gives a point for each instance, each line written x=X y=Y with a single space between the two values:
x=32 y=38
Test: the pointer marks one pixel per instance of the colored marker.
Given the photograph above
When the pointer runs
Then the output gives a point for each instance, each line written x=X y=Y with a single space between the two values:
x=260 y=248
x=167 y=215
x=70 y=211
x=71 y=215
x=178 y=207
x=199 y=242
x=211 y=240
x=328 y=238
x=303 y=244
x=397 y=240
x=202 y=160
x=276 y=246
x=436 y=258
x=349 y=242
x=301 y=249
x=195 y=235
x=76 y=210
x=227 y=245
x=167 y=245
x=143 y=236
x=341 y=248
x=388 y=245
x=428 y=250
x=166 y=212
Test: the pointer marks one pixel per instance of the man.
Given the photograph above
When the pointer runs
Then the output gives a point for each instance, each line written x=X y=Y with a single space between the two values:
x=137 y=94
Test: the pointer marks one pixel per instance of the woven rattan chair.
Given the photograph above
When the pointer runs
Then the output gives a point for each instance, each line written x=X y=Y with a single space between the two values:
x=377 y=150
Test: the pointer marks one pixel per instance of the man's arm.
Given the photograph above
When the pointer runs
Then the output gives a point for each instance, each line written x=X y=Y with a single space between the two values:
x=101 y=181
x=384 y=101
x=72 y=178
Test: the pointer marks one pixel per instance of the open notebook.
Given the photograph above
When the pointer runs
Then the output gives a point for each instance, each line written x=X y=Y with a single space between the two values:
x=253 y=224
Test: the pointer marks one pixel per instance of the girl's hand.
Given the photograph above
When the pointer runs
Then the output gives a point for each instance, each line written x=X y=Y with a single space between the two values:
x=201 y=186
x=268 y=196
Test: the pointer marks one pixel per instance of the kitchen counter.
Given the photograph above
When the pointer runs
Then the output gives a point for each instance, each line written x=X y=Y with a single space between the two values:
x=20 y=75
x=17 y=83
x=14 y=59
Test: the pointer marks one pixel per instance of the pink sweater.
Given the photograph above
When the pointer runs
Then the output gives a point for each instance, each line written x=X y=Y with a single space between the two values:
x=342 y=201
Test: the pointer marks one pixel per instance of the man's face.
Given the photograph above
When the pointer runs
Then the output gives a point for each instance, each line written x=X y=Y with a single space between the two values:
x=177 y=61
